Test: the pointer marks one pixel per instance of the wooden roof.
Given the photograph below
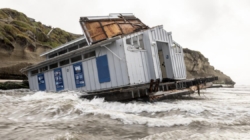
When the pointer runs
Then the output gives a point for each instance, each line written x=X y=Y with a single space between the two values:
x=101 y=28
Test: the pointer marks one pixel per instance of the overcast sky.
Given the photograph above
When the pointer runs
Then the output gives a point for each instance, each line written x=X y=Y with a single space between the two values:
x=218 y=29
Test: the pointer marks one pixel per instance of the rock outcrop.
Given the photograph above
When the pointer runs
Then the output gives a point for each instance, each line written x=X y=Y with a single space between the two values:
x=22 y=40
x=197 y=65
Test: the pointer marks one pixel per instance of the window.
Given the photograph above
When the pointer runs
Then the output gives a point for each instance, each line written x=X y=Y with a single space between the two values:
x=52 y=66
x=141 y=41
x=83 y=44
x=90 y=54
x=34 y=72
x=128 y=41
x=43 y=69
x=53 y=55
x=62 y=52
x=136 y=42
x=64 y=62
x=73 y=48
x=77 y=58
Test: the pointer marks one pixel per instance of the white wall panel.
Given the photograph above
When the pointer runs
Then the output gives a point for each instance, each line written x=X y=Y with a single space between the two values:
x=87 y=75
x=177 y=63
x=65 y=78
x=95 y=75
x=47 y=81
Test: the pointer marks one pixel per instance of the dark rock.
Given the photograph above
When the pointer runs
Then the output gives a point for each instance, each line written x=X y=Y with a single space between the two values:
x=14 y=85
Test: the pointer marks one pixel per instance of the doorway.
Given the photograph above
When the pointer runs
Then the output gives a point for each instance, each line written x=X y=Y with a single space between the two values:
x=161 y=55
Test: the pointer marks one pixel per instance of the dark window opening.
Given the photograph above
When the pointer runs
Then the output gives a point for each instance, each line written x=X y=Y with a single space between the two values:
x=62 y=52
x=64 y=62
x=34 y=72
x=136 y=42
x=90 y=54
x=83 y=44
x=128 y=41
x=141 y=44
x=52 y=66
x=73 y=48
x=53 y=55
x=77 y=58
x=43 y=69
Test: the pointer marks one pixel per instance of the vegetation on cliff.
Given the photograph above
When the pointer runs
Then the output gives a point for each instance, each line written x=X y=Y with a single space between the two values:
x=17 y=27
x=14 y=85
x=22 y=40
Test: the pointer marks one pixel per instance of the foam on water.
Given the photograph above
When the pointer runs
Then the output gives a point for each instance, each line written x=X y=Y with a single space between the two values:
x=188 y=135
x=217 y=108
x=67 y=105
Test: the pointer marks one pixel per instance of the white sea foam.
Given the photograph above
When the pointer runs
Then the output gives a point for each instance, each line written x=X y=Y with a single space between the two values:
x=67 y=105
x=187 y=135
x=217 y=109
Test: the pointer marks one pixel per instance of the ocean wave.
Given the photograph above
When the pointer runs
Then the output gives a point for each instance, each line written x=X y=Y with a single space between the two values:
x=48 y=106
x=187 y=135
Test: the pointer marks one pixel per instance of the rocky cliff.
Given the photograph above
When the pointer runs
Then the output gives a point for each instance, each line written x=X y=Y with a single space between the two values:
x=197 y=65
x=22 y=40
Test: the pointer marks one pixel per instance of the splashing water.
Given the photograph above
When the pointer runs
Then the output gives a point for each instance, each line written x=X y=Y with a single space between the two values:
x=217 y=114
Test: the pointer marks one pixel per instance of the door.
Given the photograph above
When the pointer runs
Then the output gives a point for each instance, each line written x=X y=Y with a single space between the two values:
x=162 y=64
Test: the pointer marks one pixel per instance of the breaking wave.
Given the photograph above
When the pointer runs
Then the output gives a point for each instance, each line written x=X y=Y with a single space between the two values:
x=44 y=107
x=218 y=108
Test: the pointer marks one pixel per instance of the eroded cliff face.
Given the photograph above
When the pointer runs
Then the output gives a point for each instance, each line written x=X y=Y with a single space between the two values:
x=197 y=65
x=22 y=40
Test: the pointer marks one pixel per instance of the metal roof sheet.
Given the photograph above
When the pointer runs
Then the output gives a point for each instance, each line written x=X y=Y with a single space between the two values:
x=63 y=45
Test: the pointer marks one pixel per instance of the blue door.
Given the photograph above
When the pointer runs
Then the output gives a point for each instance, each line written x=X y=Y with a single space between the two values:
x=41 y=82
x=103 y=69
x=79 y=75
x=58 y=79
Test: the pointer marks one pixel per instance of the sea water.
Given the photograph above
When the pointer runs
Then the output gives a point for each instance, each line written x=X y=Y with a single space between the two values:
x=219 y=113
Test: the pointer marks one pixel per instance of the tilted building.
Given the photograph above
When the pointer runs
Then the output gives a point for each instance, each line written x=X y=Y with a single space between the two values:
x=115 y=51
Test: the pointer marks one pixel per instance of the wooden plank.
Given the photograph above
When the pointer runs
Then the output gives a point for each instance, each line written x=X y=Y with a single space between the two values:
x=102 y=29
x=127 y=28
x=112 y=30
x=95 y=31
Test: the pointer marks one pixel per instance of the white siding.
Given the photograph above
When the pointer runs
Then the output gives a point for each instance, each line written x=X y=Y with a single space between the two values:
x=126 y=67
x=176 y=64
x=33 y=82
x=137 y=64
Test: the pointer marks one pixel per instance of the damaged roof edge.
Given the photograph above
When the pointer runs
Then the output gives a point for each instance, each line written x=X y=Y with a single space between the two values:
x=63 y=45
x=109 y=17
x=75 y=52
x=98 y=28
